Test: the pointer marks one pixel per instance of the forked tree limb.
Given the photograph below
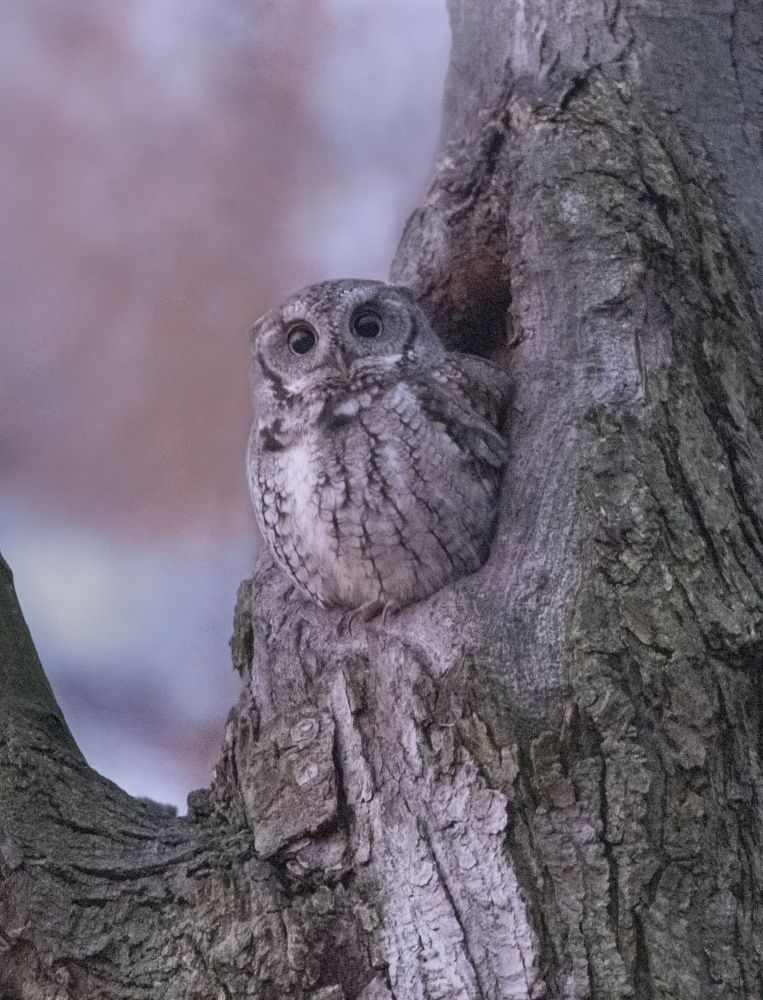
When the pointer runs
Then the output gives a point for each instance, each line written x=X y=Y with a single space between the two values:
x=545 y=780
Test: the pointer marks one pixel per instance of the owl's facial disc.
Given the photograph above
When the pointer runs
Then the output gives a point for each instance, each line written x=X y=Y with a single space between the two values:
x=378 y=331
x=336 y=337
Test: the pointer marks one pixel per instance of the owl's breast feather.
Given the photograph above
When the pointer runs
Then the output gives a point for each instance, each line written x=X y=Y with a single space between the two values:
x=346 y=407
x=288 y=511
x=340 y=411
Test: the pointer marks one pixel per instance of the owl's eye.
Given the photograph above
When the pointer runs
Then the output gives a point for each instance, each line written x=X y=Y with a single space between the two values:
x=301 y=339
x=366 y=324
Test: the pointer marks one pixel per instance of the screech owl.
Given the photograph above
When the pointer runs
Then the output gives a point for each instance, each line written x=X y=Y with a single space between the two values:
x=375 y=456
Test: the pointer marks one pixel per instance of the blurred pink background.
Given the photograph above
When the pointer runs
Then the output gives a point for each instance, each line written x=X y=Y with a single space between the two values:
x=168 y=171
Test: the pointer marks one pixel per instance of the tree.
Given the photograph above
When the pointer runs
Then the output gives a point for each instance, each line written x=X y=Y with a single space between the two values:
x=545 y=780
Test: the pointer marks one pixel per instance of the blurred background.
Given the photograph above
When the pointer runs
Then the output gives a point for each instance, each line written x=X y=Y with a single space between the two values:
x=170 y=169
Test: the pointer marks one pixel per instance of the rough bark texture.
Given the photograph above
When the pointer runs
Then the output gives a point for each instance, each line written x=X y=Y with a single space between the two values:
x=546 y=779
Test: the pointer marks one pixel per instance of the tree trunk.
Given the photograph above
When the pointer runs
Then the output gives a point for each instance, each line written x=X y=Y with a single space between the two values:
x=545 y=780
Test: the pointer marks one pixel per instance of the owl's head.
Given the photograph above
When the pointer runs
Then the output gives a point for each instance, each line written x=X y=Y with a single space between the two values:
x=334 y=334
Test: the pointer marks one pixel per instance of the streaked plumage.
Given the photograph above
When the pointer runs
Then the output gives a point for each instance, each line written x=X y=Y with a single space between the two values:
x=375 y=456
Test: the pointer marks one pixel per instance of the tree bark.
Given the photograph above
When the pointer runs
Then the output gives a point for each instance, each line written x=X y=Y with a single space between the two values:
x=545 y=780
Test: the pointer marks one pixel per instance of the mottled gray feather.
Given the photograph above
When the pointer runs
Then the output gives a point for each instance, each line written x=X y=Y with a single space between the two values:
x=375 y=460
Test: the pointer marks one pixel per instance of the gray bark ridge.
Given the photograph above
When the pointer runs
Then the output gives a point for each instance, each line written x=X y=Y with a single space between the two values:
x=633 y=266
x=544 y=781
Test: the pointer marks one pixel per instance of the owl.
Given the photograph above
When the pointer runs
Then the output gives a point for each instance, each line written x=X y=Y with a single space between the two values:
x=375 y=456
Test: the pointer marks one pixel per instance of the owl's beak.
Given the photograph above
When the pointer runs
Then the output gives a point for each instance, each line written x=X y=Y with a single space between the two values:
x=343 y=363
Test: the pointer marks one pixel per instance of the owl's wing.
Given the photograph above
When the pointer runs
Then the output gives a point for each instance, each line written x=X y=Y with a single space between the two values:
x=470 y=396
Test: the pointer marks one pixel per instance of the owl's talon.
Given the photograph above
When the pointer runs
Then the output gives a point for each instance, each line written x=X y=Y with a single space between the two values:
x=365 y=613
x=345 y=622
x=390 y=608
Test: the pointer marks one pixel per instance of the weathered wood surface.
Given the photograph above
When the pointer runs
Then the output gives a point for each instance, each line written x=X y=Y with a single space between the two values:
x=545 y=780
